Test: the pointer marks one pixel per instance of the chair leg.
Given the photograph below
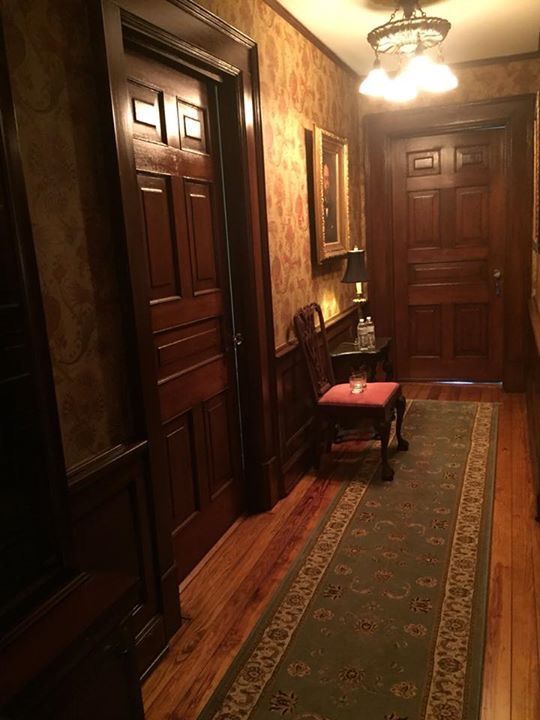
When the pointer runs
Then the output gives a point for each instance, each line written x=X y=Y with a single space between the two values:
x=319 y=434
x=383 y=429
x=400 y=412
x=329 y=436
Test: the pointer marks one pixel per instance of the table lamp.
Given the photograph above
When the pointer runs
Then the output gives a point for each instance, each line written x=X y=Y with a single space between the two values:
x=356 y=272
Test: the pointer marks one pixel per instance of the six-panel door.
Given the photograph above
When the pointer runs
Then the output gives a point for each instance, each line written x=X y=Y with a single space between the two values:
x=177 y=155
x=449 y=219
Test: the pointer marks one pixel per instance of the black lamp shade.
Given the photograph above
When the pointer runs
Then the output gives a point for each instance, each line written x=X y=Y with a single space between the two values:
x=356 y=270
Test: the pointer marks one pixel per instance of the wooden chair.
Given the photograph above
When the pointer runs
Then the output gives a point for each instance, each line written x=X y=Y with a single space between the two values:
x=335 y=403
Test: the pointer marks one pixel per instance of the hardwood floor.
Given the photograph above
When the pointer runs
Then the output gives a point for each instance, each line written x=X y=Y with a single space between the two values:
x=224 y=596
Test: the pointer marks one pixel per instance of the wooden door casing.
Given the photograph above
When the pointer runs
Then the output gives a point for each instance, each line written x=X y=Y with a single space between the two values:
x=514 y=116
x=178 y=162
x=449 y=212
x=181 y=32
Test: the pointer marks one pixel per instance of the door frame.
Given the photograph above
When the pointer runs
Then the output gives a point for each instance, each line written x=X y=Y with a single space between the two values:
x=182 y=31
x=515 y=116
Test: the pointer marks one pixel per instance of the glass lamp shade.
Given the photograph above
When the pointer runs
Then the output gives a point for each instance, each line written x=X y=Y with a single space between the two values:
x=356 y=270
x=402 y=88
x=376 y=83
x=443 y=79
x=421 y=70
x=431 y=76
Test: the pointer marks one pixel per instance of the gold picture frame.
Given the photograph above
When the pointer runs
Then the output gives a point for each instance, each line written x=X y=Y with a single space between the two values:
x=331 y=194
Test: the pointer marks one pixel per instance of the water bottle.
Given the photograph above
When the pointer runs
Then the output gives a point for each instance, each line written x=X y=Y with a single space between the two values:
x=370 y=333
x=361 y=334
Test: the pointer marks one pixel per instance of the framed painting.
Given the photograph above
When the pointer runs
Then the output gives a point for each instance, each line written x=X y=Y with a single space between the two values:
x=331 y=194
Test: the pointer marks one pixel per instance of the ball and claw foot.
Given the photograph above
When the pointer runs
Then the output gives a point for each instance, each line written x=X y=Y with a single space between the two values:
x=402 y=444
x=387 y=473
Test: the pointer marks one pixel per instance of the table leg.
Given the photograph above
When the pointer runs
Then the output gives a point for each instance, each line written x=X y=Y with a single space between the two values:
x=388 y=368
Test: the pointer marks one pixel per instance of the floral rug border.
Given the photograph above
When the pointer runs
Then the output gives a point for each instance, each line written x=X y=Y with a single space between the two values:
x=240 y=689
x=449 y=689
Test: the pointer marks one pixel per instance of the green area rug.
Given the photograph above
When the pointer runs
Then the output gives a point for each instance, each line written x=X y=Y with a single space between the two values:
x=382 y=616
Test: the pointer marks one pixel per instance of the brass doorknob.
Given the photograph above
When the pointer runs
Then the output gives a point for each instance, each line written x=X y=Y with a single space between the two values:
x=497 y=275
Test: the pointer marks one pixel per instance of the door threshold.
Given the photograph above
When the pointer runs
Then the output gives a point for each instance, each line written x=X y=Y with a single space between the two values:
x=454 y=382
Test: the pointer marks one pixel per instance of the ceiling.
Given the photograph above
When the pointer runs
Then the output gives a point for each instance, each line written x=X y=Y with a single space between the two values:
x=480 y=28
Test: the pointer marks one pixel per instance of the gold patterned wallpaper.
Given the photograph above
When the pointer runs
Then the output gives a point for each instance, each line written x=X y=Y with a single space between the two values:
x=52 y=71
x=300 y=86
x=52 y=67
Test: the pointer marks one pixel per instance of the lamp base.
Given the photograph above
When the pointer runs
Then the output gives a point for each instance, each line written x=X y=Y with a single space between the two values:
x=361 y=303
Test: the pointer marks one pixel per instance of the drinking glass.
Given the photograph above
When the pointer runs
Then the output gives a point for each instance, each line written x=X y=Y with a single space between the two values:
x=357 y=381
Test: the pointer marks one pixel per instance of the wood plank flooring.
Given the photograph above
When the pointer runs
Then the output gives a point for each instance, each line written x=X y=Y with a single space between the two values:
x=227 y=592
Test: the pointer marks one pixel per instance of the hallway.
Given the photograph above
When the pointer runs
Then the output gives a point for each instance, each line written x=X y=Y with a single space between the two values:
x=224 y=596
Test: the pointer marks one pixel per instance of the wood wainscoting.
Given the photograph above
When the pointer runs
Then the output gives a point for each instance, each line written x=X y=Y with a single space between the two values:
x=295 y=403
x=533 y=397
x=112 y=532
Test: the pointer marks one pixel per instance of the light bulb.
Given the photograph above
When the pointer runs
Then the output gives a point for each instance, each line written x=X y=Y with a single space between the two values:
x=420 y=70
x=401 y=89
x=376 y=83
x=442 y=79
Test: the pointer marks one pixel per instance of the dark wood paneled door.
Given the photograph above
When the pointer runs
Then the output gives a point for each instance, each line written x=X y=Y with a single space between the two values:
x=449 y=236
x=178 y=163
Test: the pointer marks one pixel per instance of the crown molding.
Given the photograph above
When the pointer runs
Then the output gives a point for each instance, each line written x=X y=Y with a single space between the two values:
x=278 y=8
x=534 y=55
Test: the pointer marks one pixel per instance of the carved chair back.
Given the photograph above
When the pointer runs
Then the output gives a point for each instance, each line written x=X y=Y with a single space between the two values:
x=314 y=348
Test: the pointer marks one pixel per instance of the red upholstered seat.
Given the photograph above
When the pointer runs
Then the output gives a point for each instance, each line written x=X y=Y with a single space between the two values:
x=375 y=395
x=336 y=404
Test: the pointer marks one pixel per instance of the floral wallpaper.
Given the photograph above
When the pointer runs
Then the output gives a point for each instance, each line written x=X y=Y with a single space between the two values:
x=300 y=86
x=53 y=75
x=52 y=71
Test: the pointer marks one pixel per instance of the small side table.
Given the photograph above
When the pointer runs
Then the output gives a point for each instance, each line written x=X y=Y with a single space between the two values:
x=347 y=357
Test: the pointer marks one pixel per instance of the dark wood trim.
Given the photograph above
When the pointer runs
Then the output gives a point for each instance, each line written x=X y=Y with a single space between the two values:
x=61 y=621
x=515 y=115
x=534 y=317
x=109 y=498
x=278 y=8
x=517 y=57
x=533 y=398
x=185 y=33
x=144 y=401
x=93 y=468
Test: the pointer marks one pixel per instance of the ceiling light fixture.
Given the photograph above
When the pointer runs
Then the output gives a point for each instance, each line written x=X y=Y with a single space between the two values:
x=409 y=36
